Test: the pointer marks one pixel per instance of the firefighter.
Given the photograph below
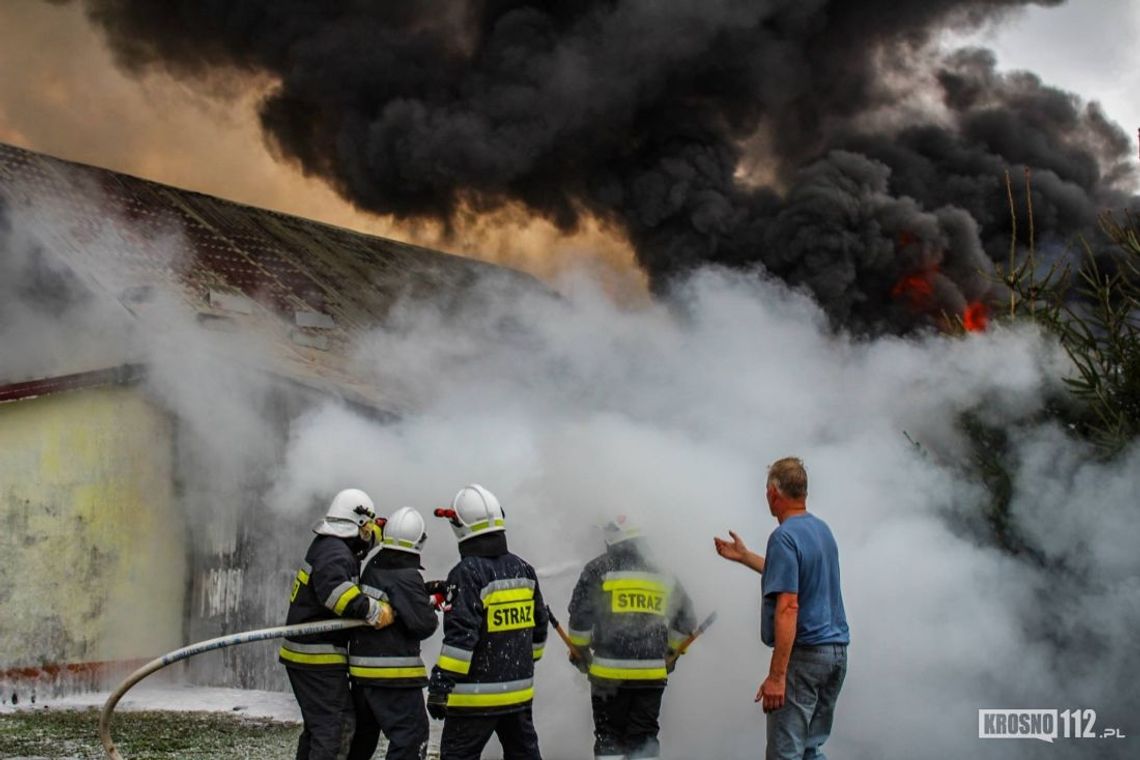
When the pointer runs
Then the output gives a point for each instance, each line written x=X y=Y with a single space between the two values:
x=493 y=634
x=385 y=668
x=326 y=587
x=627 y=619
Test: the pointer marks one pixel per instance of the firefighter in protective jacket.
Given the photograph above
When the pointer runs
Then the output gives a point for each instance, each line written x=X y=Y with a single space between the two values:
x=493 y=634
x=626 y=619
x=387 y=673
x=326 y=588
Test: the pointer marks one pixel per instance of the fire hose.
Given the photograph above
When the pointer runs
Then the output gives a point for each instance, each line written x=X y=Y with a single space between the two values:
x=302 y=629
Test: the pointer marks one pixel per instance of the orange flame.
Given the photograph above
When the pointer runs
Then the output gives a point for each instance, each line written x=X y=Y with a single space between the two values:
x=916 y=288
x=976 y=317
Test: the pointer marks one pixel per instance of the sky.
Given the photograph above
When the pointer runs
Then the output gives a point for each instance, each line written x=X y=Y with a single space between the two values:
x=1091 y=47
x=60 y=93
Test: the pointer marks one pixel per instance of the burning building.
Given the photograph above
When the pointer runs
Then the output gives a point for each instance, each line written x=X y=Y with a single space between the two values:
x=126 y=532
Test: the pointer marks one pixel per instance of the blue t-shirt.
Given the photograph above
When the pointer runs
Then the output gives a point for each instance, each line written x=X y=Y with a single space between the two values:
x=802 y=559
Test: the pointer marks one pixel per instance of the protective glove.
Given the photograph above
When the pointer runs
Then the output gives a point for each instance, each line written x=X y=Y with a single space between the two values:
x=581 y=660
x=671 y=661
x=439 y=686
x=380 y=614
x=437 y=706
x=439 y=594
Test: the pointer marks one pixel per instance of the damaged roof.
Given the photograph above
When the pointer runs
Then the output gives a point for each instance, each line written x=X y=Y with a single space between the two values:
x=309 y=287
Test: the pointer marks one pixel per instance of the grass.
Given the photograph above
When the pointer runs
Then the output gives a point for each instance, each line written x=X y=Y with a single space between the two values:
x=74 y=735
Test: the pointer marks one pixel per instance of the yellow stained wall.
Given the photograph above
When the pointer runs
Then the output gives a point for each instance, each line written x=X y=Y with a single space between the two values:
x=92 y=555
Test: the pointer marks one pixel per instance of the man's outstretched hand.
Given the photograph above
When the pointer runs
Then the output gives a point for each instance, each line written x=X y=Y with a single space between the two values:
x=771 y=693
x=734 y=550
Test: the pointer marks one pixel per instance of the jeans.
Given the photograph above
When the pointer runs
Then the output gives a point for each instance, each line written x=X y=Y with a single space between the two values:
x=798 y=730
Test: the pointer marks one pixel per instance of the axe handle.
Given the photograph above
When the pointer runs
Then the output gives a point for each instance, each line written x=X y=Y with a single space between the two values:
x=681 y=649
x=671 y=659
x=574 y=651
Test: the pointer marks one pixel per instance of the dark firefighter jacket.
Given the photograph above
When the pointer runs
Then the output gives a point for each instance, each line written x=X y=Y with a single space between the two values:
x=391 y=656
x=494 y=633
x=325 y=588
x=630 y=615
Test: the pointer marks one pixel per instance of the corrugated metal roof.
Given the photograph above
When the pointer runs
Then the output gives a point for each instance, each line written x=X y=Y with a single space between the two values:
x=310 y=288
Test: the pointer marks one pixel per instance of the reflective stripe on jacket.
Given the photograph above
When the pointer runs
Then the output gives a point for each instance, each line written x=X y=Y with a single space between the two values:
x=391 y=656
x=494 y=632
x=630 y=615
x=325 y=588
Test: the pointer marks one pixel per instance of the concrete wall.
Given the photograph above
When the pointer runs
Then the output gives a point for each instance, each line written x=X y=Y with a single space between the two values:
x=125 y=533
x=93 y=560
x=244 y=553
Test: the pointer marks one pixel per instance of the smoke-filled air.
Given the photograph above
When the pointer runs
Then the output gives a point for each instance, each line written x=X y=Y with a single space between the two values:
x=817 y=192
x=832 y=144
x=576 y=411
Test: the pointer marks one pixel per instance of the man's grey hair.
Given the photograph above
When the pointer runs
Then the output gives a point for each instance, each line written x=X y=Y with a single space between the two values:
x=789 y=476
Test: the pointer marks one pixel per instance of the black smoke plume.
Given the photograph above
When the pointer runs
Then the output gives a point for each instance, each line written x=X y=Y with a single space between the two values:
x=877 y=160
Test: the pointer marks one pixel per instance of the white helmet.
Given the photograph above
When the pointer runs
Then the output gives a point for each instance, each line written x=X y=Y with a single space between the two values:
x=404 y=531
x=474 y=512
x=619 y=529
x=351 y=510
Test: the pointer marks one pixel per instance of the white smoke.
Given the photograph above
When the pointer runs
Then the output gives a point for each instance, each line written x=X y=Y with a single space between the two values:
x=574 y=409
x=77 y=294
x=73 y=298
x=53 y=320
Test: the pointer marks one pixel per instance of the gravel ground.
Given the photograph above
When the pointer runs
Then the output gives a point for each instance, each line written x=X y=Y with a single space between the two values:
x=53 y=733
x=73 y=735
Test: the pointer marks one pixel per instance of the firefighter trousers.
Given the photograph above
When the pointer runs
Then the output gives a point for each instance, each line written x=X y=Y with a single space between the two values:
x=327 y=712
x=625 y=721
x=465 y=736
x=399 y=713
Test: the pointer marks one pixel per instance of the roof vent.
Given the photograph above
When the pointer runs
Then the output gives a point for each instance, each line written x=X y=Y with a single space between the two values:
x=232 y=302
x=137 y=294
x=219 y=322
x=309 y=340
x=314 y=320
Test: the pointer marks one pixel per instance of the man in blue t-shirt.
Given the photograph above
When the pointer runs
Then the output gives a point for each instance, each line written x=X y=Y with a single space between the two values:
x=802 y=618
